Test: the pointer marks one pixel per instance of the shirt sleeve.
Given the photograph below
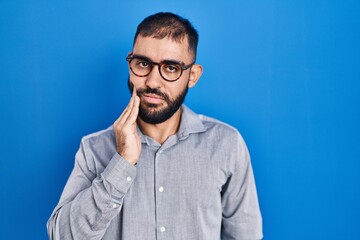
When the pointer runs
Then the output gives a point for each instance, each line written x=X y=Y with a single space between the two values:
x=241 y=213
x=89 y=202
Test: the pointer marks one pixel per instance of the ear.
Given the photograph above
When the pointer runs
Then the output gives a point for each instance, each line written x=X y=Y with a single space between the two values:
x=195 y=74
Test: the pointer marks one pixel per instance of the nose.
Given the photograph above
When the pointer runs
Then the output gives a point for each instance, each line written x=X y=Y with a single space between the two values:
x=154 y=79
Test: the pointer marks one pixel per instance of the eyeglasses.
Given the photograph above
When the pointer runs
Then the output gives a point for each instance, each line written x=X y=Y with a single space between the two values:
x=169 y=70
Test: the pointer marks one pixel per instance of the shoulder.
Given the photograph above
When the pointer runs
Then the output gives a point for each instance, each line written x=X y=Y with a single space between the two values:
x=199 y=123
x=213 y=124
x=99 y=136
x=97 y=149
x=222 y=133
x=101 y=142
x=225 y=140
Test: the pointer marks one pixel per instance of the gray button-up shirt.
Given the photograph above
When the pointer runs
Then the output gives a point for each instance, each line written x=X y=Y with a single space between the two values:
x=198 y=184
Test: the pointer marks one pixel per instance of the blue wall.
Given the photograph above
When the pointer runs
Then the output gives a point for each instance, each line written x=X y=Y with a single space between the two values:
x=285 y=73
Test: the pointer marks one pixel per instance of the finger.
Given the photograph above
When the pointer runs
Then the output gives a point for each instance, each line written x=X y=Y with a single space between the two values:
x=135 y=111
x=134 y=91
x=122 y=114
x=132 y=107
x=125 y=114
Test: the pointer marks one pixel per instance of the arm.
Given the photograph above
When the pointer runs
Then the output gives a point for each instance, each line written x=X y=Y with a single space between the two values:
x=89 y=202
x=87 y=206
x=241 y=213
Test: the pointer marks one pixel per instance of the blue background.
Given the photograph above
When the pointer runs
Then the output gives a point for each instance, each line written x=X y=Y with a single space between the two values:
x=285 y=73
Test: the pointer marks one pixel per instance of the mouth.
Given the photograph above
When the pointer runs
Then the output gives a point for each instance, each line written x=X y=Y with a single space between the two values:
x=152 y=98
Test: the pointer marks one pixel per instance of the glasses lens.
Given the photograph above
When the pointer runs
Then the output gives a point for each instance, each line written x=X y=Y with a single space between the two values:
x=170 y=71
x=140 y=67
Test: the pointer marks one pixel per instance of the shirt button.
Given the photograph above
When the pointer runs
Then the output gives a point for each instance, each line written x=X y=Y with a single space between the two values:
x=114 y=206
x=128 y=179
x=161 y=151
x=161 y=189
x=162 y=229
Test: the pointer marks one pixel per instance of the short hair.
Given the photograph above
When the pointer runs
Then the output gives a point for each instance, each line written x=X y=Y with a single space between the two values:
x=166 y=24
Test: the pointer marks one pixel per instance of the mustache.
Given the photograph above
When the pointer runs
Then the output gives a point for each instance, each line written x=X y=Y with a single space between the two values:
x=142 y=91
x=148 y=90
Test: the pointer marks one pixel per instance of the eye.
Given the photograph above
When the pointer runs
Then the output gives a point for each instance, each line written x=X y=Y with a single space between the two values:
x=143 y=64
x=173 y=68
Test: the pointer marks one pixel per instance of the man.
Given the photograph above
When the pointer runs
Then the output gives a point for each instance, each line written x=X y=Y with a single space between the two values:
x=161 y=171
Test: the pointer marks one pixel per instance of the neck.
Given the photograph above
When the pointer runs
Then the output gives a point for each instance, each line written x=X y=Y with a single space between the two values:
x=162 y=131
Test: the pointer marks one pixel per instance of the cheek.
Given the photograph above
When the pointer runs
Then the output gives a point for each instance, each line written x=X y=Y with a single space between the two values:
x=136 y=81
x=177 y=88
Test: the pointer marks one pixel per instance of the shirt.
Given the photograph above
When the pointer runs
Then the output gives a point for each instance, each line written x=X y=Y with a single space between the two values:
x=198 y=184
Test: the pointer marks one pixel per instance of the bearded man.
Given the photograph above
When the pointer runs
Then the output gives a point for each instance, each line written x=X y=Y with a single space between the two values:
x=160 y=171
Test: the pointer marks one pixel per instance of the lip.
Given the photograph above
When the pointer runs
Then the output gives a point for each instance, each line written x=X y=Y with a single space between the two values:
x=152 y=98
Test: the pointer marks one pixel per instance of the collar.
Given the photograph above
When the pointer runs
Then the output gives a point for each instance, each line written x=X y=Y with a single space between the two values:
x=190 y=123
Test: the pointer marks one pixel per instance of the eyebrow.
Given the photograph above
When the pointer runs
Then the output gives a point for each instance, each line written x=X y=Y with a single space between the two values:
x=163 y=61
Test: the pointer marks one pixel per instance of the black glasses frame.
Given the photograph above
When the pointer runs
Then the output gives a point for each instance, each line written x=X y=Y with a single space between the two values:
x=184 y=67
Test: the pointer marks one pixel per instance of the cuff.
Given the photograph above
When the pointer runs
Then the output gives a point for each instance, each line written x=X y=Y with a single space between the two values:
x=119 y=173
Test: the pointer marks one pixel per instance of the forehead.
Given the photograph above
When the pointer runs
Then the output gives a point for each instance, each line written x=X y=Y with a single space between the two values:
x=162 y=49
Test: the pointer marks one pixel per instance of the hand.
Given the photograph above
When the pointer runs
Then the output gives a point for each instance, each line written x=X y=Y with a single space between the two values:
x=128 y=143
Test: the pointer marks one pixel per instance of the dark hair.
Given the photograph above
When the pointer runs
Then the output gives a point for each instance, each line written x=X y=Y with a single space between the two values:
x=166 y=24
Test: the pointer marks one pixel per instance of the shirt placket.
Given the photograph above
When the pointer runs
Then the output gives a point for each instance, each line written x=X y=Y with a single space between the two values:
x=161 y=224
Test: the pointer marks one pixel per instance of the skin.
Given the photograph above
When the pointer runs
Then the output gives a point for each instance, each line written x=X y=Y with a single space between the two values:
x=128 y=142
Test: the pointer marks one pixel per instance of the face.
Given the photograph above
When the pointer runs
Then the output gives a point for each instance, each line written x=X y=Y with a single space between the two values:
x=160 y=99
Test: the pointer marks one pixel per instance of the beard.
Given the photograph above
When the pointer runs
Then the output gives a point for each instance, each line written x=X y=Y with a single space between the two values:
x=148 y=112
